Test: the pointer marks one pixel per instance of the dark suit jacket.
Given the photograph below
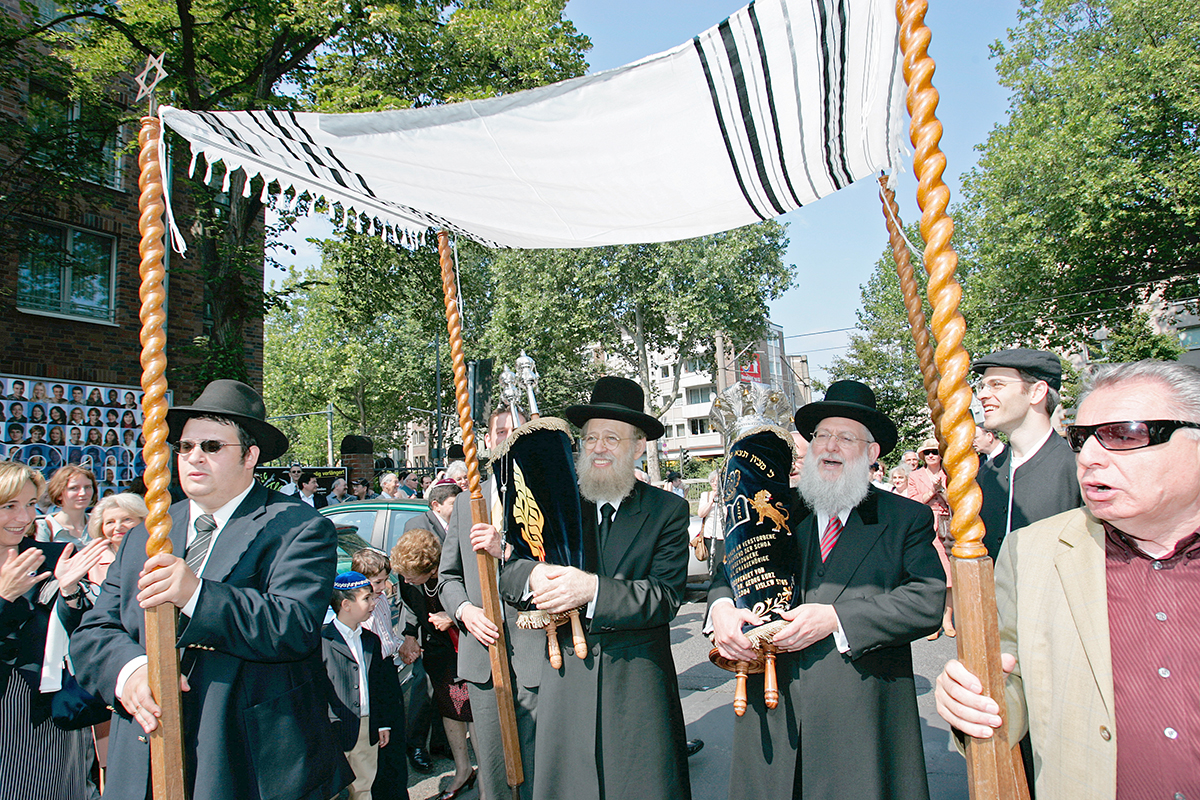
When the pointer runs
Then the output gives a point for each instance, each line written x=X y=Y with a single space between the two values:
x=853 y=717
x=459 y=573
x=1043 y=486
x=428 y=521
x=23 y=626
x=610 y=725
x=344 y=675
x=255 y=721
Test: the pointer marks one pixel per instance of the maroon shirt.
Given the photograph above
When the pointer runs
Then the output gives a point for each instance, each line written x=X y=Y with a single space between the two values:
x=1154 y=628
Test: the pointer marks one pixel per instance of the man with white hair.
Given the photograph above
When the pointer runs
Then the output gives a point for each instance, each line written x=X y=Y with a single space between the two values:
x=389 y=487
x=868 y=582
x=1100 y=606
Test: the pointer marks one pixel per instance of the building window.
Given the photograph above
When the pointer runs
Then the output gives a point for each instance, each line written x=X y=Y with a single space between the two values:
x=699 y=394
x=666 y=370
x=698 y=426
x=681 y=430
x=82 y=134
x=68 y=271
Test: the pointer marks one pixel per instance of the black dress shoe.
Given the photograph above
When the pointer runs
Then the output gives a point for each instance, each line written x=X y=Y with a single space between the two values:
x=450 y=794
x=694 y=746
x=420 y=760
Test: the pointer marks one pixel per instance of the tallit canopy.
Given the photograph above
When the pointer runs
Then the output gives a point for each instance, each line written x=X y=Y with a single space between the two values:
x=781 y=104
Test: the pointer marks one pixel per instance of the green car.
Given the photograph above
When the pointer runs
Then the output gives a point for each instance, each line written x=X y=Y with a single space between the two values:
x=375 y=523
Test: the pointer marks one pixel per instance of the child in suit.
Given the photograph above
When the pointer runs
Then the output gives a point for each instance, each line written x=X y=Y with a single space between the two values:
x=391 y=780
x=361 y=696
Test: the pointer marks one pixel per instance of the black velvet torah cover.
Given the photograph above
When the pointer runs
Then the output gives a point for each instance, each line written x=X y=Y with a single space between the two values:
x=542 y=519
x=761 y=512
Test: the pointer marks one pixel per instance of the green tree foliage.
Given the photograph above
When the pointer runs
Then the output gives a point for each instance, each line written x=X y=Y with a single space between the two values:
x=882 y=354
x=1086 y=202
x=221 y=55
x=1136 y=339
x=361 y=335
x=572 y=309
x=416 y=54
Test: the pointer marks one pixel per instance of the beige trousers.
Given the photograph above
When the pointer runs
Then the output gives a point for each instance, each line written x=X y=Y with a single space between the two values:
x=364 y=760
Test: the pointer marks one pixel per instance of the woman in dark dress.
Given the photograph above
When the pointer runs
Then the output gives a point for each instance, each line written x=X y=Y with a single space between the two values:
x=38 y=760
x=415 y=557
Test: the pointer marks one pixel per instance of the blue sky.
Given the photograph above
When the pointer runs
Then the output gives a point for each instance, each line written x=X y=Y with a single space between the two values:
x=836 y=241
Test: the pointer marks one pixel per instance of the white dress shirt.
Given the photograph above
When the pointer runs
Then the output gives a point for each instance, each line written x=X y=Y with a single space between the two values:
x=354 y=641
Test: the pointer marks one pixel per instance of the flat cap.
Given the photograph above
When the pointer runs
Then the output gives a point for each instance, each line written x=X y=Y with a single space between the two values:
x=1041 y=364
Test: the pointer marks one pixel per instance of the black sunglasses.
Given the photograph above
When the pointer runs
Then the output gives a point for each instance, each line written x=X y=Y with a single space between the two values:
x=1129 y=435
x=210 y=446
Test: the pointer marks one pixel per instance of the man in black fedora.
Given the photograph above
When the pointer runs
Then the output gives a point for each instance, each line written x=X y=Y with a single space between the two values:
x=869 y=582
x=609 y=725
x=250 y=575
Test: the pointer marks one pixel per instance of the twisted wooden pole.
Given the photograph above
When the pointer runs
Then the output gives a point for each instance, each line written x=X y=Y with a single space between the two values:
x=166 y=741
x=912 y=301
x=994 y=767
x=489 y=590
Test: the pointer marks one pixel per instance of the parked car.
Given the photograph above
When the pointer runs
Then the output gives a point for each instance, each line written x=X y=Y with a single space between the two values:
x=378 y=523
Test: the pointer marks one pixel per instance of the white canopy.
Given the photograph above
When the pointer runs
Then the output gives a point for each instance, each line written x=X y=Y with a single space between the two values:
x=781 y=104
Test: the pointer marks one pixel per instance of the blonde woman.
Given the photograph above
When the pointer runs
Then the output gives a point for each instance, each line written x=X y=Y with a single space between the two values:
x=41 y=602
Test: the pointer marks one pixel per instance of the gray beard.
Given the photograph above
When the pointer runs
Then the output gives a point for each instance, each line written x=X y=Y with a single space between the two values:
x=607 y=485
x=831 y=497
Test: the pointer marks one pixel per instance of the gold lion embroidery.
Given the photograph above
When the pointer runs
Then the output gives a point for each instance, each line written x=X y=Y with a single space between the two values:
x=767 y=511
x=528 y=515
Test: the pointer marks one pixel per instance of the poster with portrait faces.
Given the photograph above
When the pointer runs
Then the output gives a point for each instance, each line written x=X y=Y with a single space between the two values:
x=47 y=423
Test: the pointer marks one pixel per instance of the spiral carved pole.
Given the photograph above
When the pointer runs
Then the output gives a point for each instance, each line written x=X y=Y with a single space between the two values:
x=166 y=742
x=994 y=767
x=912 y=301
x=489 y=590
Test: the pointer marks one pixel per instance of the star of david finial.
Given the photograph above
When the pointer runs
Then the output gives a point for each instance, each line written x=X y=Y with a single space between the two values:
x=150 y=77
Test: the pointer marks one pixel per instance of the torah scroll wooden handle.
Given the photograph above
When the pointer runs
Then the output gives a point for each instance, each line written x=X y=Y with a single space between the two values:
x=739 y=691
x=770 y=683
x=577 y=639
x=552 y=644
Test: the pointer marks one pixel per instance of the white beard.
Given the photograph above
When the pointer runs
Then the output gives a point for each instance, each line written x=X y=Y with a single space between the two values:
x=831 y=496
x=608 y=484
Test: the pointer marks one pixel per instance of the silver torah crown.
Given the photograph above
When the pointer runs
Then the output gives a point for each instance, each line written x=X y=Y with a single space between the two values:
x=746 y=406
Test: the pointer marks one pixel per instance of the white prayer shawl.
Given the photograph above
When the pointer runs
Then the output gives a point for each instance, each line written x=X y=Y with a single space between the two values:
x=781 y=104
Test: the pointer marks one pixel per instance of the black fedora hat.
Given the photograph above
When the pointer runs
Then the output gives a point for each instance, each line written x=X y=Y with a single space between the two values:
x=620 y=399
x=852 y=400
x=239 y=403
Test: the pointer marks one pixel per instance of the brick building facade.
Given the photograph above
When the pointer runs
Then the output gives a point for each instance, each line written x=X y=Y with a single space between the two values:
x=69 y=277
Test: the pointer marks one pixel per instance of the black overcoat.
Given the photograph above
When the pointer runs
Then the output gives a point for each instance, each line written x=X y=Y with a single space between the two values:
x=256 y=721
x=852 y=717
x=611 y=725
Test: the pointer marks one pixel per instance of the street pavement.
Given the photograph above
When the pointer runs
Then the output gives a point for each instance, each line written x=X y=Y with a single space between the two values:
x=707 y=695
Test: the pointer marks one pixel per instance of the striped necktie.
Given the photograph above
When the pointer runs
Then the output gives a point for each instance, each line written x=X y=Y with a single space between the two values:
x=197 y=550
x=830 y=536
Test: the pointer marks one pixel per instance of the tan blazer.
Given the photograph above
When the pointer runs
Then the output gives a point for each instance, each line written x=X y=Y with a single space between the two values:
x=1052 y=596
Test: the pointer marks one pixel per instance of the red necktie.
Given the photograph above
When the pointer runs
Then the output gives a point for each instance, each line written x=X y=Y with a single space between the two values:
x=830 y=536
